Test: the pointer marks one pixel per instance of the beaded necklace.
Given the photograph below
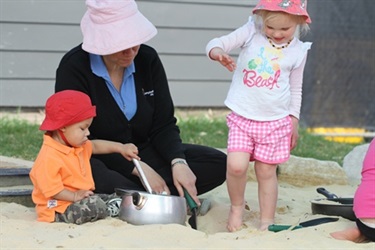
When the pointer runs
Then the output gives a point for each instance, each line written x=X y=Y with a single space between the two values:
x=281 y=47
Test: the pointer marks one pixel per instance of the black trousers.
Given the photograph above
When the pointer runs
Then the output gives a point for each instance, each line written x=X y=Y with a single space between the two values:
x=367 y=231
x=208 y=165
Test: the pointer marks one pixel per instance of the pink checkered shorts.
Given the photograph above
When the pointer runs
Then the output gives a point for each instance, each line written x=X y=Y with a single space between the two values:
x=265 y=141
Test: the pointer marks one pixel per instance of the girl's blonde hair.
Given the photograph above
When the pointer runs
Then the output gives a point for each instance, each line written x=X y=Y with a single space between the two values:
x=262 y=16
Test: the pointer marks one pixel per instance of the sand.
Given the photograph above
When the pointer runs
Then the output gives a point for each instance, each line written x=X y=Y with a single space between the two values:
x=19 y=228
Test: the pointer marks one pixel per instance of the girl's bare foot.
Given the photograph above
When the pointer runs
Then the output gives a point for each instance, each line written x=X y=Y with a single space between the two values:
x=235 y=218
x=352 y=234
x=264 y=224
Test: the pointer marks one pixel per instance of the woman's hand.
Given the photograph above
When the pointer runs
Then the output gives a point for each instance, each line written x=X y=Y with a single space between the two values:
x=223 y=58
x=156 y=182
x=183 y=177
x=295 y=135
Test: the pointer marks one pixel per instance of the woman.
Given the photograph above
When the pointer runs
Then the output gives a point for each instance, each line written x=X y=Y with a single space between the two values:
x=127 y=82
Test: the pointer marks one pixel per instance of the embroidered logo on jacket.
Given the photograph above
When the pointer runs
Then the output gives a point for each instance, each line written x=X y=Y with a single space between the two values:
x=148 y=93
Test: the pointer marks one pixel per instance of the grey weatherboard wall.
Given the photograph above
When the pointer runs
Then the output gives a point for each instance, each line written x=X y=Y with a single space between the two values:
x=339 y=83
x=36 y=34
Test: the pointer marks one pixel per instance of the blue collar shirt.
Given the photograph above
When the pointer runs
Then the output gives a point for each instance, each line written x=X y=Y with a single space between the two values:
x=125 y=98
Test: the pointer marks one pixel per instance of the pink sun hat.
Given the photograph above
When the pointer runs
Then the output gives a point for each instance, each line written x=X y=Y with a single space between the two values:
x=110 y=26
x=65 y=108
x=294 y=7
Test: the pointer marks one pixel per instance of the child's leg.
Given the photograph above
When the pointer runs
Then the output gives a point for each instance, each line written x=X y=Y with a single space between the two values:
x=272 y=145
x=238 y=163
x=113 y=203
x=88 y=209
x=352 y=234
x=267 y=192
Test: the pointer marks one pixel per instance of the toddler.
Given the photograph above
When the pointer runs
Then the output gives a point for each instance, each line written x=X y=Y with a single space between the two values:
x=61 y=174
x=265 y=99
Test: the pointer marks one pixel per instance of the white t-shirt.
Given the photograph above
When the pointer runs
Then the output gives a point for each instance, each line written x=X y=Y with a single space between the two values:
x=267 y=83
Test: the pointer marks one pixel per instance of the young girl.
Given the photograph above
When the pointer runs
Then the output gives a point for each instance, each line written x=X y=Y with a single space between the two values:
x=265 y=99
x=61 y=174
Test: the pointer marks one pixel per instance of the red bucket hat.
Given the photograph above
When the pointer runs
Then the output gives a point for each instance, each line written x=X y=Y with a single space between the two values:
x=65 y=108
x=293 y=7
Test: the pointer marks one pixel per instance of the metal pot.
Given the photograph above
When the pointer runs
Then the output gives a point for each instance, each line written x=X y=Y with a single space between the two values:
x=333 y=205
x=141 y=208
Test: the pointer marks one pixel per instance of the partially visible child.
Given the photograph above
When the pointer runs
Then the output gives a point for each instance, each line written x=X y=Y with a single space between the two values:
x=265 y=99
x=61 y=174
x=364 y=203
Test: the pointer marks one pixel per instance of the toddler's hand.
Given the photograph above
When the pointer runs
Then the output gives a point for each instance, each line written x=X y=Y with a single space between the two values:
x=130 y=151
x=81 y=194
x=223 y=58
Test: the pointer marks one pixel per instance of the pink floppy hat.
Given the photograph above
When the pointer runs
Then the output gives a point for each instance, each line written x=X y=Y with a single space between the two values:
x=65 y=108
x=110 y=26
x=294 y=7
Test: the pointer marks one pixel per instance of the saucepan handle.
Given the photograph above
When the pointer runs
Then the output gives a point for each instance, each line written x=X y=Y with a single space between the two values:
x=326 y=193
x=142 y=176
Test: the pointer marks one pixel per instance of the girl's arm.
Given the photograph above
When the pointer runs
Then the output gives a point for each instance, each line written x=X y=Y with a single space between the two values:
x=218 y=54
x=295 y=135
x=296 y=80
x=218 y=49
x=233 y=40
